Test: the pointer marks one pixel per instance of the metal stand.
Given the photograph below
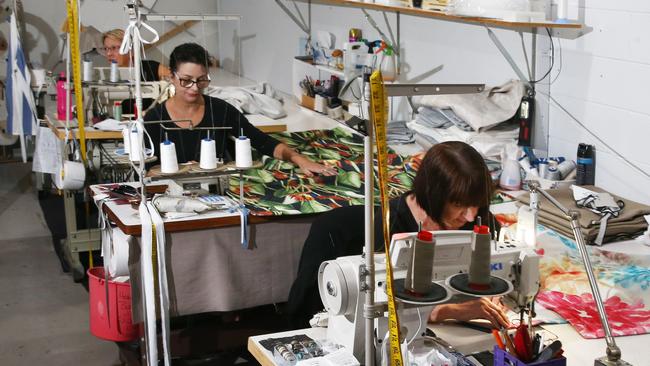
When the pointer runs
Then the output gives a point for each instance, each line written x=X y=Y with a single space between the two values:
x=613 y=357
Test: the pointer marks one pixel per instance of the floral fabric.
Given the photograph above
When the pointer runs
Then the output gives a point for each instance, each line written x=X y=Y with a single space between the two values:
x=278 y=188
x=623 y=279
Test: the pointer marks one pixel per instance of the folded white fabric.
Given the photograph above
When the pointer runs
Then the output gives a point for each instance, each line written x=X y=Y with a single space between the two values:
x=256 y=99
x=480 y=110
x=166 y=203
x=109 y=124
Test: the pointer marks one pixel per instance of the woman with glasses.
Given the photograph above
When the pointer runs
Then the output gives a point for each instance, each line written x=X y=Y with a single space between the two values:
x=112 y=40
x=191 y=108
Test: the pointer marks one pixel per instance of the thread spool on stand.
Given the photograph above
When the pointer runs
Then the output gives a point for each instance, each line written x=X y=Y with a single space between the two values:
x=479 y=281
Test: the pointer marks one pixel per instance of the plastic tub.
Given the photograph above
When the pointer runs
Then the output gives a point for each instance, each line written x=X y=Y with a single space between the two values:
x=118 y=326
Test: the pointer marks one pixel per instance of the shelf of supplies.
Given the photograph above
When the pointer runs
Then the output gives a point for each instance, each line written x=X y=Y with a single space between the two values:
x=444 y=16
x=327 y=69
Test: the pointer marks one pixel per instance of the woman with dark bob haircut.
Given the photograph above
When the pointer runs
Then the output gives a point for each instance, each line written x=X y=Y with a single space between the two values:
x=189 y=76
x=452 y=187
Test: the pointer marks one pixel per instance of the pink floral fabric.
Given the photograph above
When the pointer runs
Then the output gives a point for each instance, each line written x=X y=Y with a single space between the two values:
x=623 y=279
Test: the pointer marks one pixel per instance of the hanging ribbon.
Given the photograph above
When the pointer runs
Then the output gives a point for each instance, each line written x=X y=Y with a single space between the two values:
x=132 y=30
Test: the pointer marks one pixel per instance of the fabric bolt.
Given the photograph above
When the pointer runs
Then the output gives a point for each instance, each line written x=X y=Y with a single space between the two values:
x=218 y=113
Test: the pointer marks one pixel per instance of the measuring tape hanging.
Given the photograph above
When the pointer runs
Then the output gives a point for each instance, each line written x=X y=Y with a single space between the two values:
x=379 y=116
x=75 y=57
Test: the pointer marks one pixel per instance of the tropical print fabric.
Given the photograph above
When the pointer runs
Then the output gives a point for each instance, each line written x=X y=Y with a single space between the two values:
x=279 y=188
x=623 y=279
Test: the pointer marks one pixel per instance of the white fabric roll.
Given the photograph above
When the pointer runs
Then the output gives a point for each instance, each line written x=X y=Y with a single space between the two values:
x=168 y=159
x=243 y=154
x=208 y=154
x=72 y=176
x=117 y=256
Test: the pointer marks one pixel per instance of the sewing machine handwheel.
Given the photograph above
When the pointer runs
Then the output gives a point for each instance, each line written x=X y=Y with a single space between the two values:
x=497 y=286
x=436 y=294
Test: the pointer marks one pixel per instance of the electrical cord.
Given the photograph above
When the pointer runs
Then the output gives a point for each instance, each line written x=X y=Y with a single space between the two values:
x=552 y=59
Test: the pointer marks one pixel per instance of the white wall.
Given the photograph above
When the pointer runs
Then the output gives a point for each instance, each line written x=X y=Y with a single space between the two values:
x=604 y=85
x=602 y=81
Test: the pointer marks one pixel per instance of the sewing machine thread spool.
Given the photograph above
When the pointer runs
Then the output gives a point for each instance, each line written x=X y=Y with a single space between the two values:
x=168 y=159
x=117 y=111
x=566 y=167
x=208 y=154
x=479 y=268
x=419 y=275
x=134 y=145
x=243 y=153
x=553 y=173
x=88 y=70
x=542 y=167
x=126 y=135
x=115 y=72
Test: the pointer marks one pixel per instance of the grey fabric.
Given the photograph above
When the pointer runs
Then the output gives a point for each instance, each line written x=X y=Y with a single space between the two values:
x=630 y=221
x=208 y=270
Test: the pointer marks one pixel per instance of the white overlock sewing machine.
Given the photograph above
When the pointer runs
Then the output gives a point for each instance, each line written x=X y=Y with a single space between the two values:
x=515 y=265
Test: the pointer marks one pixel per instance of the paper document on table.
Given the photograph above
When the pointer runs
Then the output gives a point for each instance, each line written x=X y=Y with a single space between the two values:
x=47 y=154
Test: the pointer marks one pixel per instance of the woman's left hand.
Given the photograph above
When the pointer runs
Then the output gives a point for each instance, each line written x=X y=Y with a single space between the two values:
x=309 y=168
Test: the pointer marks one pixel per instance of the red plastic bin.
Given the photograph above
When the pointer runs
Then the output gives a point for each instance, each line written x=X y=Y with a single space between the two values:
x=119 y=327
x=503 y=358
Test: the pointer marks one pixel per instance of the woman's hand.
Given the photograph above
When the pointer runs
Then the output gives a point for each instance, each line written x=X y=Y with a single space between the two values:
x=484 y=308
x=309 y=168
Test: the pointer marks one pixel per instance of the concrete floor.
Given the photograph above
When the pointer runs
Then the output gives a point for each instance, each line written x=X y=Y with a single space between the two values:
x=43 y=313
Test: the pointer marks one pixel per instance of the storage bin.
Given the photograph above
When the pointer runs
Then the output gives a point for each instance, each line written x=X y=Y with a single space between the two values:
x=113 y=323
x=503 y=358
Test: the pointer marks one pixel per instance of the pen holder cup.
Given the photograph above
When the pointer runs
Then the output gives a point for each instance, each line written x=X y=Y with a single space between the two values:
x=503 y=358
x=307 y=102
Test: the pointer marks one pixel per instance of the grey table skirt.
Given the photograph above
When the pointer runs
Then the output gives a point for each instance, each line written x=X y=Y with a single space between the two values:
x=209 y=270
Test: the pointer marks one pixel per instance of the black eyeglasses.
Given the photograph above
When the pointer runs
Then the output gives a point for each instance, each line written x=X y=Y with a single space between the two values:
x=187 y=83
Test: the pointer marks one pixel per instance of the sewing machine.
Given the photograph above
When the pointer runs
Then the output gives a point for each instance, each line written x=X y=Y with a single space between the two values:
x=342 y=293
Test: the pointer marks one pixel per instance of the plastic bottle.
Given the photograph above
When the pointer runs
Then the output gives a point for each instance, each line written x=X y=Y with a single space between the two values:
x=387 y=66
x=586 y=169
x=60 y=97
x=510 y=176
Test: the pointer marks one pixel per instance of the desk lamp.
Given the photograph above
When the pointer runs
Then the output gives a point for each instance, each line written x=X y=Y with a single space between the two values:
x=613 y=357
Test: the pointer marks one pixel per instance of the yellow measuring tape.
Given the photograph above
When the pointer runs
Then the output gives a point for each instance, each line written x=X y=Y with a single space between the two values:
x=75 y=57
x=379 y=116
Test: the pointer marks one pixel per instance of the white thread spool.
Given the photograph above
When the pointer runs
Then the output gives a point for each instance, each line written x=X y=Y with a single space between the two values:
x=134 y=143
x=115 y=72
x=126 y=136
x=243 y=154
x=208 y=154
x=168 y=159
x=88 y=70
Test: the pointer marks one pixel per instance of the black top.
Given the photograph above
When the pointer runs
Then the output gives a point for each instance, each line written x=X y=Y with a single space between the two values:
x=218 y=113
x=149 y=70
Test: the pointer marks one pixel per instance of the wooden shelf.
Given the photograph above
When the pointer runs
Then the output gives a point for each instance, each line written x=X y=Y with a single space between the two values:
x=444 y=16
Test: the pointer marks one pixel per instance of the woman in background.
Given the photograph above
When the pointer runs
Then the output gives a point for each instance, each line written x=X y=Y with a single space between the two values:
x=189 y=66
x=112 y=40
